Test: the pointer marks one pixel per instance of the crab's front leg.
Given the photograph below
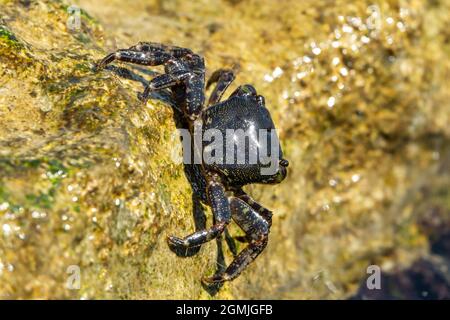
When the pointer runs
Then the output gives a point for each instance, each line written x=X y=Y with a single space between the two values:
x=257 y=231
x=222 y=213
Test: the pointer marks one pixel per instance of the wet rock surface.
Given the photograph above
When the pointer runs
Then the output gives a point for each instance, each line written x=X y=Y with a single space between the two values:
x=358 y=91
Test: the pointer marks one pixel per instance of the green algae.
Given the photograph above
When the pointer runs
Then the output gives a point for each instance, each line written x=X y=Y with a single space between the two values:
x=8 y=38
x=13 y=48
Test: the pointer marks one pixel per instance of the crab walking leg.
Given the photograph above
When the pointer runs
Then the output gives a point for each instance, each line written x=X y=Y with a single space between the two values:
x=165 y=81
x=174 y=51
x=221 y=210
x=223 y=78
x=181 y=65
x=147 y=59
x=195 y=98
x=264 y=212
x=200 y=223
x=256 y=229
x=145 y=53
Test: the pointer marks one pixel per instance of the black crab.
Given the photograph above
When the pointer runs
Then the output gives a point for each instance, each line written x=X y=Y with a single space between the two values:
x=219 y=184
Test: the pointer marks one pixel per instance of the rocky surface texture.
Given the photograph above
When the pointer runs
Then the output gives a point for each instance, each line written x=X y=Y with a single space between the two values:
x=358 y=91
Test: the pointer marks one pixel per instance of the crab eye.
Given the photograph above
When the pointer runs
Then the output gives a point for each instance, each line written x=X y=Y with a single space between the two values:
x=284 y=163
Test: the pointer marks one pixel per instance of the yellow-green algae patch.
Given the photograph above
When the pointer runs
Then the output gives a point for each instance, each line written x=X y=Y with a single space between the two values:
x=8 y=39
x=358 y=91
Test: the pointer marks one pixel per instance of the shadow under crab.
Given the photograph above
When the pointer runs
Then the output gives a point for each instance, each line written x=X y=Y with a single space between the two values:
x=213 y=181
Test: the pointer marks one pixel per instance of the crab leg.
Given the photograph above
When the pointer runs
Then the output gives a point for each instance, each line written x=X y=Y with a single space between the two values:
x=221 y=210
x=257 y=231
x=145 y=53
x=181 y=66
x=223 y=78
x=264 y=212
x=147 y=59
x=174 y=51
x=165 y=81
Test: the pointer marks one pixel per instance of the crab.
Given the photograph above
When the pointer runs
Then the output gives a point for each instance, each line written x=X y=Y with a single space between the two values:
x=218 y=185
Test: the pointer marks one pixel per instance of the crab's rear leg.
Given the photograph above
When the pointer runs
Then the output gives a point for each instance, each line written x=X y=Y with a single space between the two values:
x=257 y=231
x=174 y=51
x=145 y=53
x=155 y=58
x=223 y=78
x=221 y=210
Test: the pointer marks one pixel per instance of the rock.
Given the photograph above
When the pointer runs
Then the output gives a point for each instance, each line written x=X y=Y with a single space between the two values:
x=86 y=178
x=357 y=91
